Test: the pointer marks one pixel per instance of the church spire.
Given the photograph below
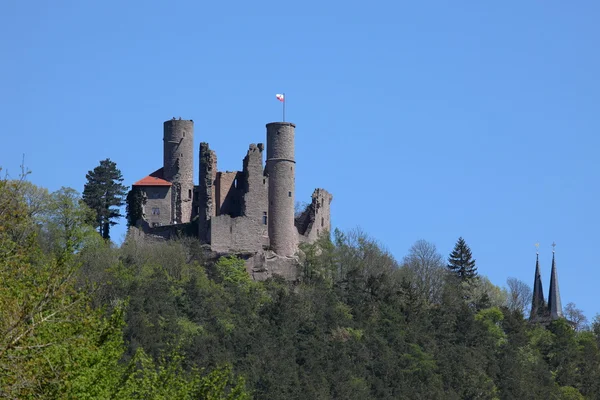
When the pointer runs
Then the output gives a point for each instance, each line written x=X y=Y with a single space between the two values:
x=538 y=304
x=554 y=304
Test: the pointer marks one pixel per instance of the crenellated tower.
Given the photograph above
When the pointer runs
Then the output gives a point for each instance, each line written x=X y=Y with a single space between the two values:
x=280 y=168
x=178 y=159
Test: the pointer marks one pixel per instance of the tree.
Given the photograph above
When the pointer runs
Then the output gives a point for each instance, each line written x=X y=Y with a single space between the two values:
x=104 y=193
x=64 y=226
x=461 y=261
x=49 y=337
x=576 y=316
x=519 y=295
x=135 y=204
x=426 y=269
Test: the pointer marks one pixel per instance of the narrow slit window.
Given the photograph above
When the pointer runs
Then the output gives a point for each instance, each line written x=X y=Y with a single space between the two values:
x=289 y=194
x=264 y=218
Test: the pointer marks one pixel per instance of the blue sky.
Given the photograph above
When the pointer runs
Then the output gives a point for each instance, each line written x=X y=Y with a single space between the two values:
x=426 y=120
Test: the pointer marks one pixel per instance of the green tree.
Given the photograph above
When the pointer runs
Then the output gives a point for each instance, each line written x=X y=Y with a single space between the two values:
x=135 y=203
x=104 y=193
x=51 y=342
x=461 y=261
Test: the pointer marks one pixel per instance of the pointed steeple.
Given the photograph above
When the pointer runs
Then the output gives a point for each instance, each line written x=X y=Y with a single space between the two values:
x=554 y=304
x=538 y=304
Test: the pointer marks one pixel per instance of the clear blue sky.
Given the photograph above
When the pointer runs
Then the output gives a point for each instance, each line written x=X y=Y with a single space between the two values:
x=426 y=120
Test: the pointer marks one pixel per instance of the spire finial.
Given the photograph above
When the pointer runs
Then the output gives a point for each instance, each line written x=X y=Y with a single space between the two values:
x=553 y=246
x=537 y=248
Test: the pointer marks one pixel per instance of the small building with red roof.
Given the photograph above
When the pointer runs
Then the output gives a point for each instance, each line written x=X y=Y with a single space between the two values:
x=157 y=203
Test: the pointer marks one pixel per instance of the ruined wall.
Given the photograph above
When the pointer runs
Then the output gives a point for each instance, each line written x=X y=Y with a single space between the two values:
x=280 y=167
x=237 y=234
x=229 y=191
x=157 y=210
x=206 y=202
x=316 y=219
x=178 y=161
x=255 y=185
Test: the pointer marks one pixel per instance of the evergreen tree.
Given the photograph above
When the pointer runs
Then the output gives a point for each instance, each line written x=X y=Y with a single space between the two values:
x=104 y=193
x=461 y=261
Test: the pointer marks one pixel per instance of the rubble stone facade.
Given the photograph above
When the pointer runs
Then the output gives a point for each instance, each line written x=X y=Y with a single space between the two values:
x=249 y=211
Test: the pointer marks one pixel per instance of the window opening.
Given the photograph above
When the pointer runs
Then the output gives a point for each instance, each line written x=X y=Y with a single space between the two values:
x=264 y=218
x=189 y=193
x=156 y=211
x=322 y=221
x=289 y=194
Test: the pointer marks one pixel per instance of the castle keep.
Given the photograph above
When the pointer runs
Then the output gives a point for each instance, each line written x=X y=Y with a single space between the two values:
x=249 y=211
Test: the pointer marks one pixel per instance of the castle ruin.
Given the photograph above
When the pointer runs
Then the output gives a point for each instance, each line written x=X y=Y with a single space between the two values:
x=249 y=211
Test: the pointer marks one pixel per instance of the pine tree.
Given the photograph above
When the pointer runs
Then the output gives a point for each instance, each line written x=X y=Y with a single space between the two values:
x=461 y=261
x=104 y=193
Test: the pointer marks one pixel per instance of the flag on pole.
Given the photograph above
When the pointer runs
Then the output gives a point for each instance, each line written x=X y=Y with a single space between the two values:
x=280 y=97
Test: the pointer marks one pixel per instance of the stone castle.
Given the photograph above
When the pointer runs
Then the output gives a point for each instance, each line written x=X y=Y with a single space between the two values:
x=249 y=211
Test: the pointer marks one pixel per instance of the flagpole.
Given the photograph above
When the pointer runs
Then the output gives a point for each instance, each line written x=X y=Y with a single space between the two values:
x=284 y=99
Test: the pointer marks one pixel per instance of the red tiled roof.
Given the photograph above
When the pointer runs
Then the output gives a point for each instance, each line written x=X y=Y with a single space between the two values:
x=154 y=179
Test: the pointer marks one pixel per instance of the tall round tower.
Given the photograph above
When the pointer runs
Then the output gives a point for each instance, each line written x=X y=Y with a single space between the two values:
x=179 y=167
x=280 y=167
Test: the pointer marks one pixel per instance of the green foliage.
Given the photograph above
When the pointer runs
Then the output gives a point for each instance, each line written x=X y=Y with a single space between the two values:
x=461 y=261
x=570 y=393
x=491 y=318
x=51 y=341
x=232 y=271
x=104 y=193
x=135 y=203
x=81 y=318
x=167 y=379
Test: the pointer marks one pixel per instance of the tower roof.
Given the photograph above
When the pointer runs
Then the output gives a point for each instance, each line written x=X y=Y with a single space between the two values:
x=154 y=179
x=554 y=304
x=538 y=304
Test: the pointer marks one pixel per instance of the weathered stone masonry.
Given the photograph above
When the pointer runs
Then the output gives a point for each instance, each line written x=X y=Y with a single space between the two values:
x=179 y=166
x=247 y=211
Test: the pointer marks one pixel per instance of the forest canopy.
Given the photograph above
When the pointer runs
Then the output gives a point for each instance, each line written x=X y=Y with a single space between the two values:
x=83 y=318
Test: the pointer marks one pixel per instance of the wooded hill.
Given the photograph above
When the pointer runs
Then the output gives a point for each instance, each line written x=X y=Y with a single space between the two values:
x=81 y=318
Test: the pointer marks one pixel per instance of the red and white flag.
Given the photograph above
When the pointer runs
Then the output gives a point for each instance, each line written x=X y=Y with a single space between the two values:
x=280 y=97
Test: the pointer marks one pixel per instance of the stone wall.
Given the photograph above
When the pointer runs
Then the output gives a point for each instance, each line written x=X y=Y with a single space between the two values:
x=240 y=234
x=206 y=202
x=255 y=185
x=316 y=218
x=229 y=193
x=157 y=210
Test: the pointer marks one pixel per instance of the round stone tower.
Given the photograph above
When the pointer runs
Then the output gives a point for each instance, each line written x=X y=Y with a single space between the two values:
x=281 y=169
x=179 y=167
